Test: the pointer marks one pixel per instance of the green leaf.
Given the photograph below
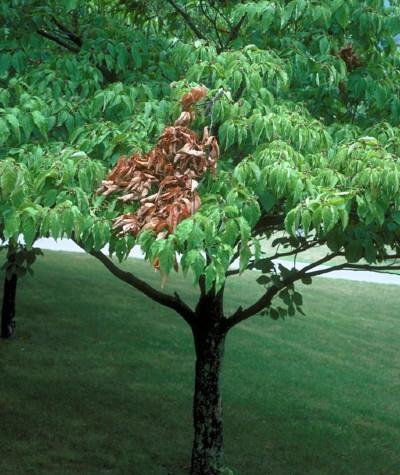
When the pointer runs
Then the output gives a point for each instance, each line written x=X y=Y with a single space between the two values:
x=245 y=255
x=267 y=200
x=291 y=221
x=297 y=298
x=50 y=197
x=167 y=257
x=71 y=5
x=183 y=230
x=287 y=13
x=8 y=180
x=146 y=239
x=98 y=235
x=4 y=131
x=306 y=220
x=237 y=79
x=54 y=224
x=354 y=251
x=211 y=275
x=344 y=218
x=230 y=136
x=245 y=229
x=342 y=15
x=11 y=224
x=14 y=122
x=28 y=230
x=40 y=122
x=273 y=313
x=264 y=280
x=231 y=232
x=251 y=212
x=307 y=280
x=195 y=261
x=68 y=221
x=329 y=217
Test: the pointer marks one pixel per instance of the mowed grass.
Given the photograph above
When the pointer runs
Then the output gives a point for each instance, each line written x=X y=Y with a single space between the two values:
x=99 y=379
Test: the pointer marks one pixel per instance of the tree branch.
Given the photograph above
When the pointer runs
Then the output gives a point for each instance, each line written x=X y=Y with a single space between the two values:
x=59 y=41
x=110 y=76
x=235 y=30
x=267 y=222
x=296 y=251
x=368 y=267
x=187 y=19
x=221 y=13
x=171 y=301
x=293 y=252
x=213 y=22
x=71 y=35
x=263 y=302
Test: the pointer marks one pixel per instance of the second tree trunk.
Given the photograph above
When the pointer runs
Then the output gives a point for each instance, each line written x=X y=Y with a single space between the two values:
x=8 y=308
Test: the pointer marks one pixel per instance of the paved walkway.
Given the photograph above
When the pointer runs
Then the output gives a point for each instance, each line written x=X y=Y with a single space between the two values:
x=360 y=276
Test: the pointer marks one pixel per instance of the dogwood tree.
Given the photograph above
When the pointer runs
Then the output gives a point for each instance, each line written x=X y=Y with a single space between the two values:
x=219 y=136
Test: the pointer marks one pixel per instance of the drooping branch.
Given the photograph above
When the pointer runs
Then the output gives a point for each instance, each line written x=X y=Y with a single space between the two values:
x=171 y=301
x=307 y=271
x=263 y=302
x=188 y=19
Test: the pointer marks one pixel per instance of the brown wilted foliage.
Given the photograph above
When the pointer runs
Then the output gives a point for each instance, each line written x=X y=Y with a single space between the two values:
x=164 y=181
x=349 y=57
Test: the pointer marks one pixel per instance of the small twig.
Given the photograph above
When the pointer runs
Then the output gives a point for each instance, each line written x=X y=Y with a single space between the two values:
x=221 y=13
x=188 y=19
x=213 y=22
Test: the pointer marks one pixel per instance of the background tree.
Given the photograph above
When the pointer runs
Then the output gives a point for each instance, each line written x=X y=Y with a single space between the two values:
x=303 y=99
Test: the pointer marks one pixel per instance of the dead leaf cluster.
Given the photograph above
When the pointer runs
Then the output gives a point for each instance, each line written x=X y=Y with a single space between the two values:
x=349 y=57
x=164 y=181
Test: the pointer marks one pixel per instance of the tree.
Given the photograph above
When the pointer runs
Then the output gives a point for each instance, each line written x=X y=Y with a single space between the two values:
x=303 y=100
x=19 y=261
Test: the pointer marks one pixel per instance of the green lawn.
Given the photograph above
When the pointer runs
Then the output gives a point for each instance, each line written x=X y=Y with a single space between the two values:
x=99 y=380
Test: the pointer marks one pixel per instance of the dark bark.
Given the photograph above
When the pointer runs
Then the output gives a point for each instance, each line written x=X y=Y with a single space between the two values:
x=8 y=308
x=209 y=337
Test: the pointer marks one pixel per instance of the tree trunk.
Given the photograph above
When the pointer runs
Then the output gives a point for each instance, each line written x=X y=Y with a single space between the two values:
x=8 y=309
x=208 y=445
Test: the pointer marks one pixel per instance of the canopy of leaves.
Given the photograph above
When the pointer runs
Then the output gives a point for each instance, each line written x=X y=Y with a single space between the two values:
x=304 y=102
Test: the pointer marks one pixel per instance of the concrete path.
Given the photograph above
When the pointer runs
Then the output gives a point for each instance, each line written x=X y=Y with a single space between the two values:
x=359 y=276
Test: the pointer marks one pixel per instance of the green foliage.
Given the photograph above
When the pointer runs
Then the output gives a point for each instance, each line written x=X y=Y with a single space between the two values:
x=310 y=137
x=20 y=260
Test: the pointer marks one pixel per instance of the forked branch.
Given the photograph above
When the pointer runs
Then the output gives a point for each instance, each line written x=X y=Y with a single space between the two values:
x=265 y=300
x=188 y=19
x=307 y=271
